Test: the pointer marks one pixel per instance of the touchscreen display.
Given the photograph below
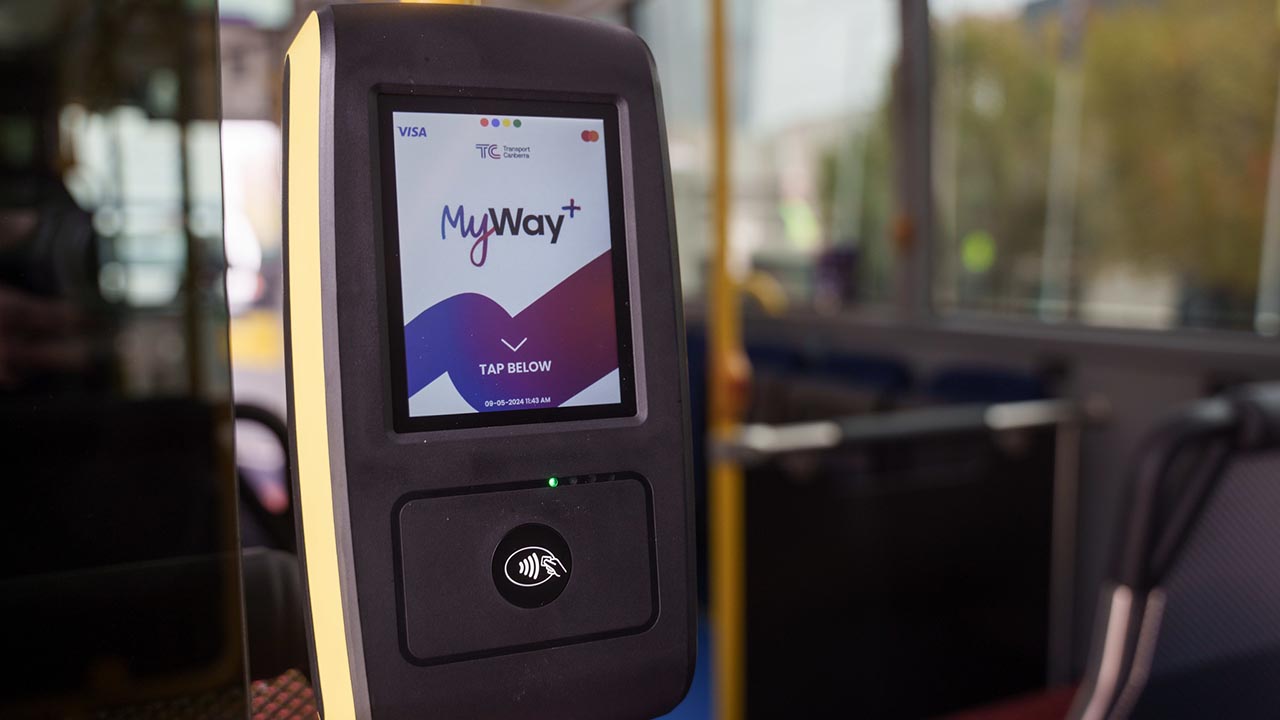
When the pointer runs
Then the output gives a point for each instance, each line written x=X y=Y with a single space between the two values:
x=509 y=265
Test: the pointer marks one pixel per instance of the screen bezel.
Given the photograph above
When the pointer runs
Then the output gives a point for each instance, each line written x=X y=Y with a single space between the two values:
x=387 y=105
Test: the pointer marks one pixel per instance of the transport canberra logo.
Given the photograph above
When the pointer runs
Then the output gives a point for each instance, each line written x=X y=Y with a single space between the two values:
x=503 y=223
x=492 y=151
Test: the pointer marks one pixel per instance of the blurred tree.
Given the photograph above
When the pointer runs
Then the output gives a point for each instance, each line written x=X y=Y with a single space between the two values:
x=1178 y=118
x=993 y=103
x=1179 y=106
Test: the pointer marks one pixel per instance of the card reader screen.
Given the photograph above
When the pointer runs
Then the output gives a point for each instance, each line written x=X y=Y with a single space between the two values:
x=507 y=254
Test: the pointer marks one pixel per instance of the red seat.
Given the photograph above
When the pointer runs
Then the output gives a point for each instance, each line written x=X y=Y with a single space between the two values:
x=1049 y=705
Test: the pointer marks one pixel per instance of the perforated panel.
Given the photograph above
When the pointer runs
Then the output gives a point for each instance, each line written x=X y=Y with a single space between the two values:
x=1218 y=652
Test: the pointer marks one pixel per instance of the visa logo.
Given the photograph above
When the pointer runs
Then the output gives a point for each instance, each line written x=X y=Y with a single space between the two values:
x=412 y=131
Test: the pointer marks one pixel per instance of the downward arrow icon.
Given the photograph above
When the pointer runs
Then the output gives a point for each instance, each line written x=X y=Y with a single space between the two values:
x=515 y=347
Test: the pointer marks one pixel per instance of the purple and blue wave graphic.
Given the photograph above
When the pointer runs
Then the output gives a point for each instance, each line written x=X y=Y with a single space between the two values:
x=572 y=326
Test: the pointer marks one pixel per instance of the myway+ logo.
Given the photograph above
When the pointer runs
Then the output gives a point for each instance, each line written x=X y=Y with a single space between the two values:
x=502 y=223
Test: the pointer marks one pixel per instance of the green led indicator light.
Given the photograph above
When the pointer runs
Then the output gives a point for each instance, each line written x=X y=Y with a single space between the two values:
x=516 y=122
x=553 y=482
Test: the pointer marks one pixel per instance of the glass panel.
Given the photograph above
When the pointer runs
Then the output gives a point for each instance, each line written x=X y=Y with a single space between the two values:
x=1108 y=167
x=1176 y=142
x=993 y=112
x=676 y=32
x=119 y=537
x=253 y=37
x=812 y=165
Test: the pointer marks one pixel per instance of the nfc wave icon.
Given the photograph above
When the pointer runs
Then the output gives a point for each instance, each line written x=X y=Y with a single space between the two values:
x=532 y=566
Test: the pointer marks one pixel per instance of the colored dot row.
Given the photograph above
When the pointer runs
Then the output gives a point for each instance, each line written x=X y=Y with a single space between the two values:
x=499 y=122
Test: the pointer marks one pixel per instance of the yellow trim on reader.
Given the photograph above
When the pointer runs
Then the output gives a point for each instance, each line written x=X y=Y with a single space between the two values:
x=310 y=413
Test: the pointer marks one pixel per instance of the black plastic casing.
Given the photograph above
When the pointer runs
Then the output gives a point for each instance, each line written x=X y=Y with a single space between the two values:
x=477 y=52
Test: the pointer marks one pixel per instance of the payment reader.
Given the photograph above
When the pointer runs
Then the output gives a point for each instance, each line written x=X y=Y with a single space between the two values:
x=487 y=388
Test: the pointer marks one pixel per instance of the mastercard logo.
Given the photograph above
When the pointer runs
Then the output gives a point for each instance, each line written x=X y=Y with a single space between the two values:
x=590 y=136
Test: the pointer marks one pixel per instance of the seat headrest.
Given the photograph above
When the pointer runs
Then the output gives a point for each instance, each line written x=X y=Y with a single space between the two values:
x=1258 y=407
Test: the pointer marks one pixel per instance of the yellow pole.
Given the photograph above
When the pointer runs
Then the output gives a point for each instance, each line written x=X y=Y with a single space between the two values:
x=728 y=376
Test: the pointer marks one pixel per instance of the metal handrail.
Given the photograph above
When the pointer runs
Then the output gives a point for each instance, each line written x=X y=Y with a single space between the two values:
x=757 y=442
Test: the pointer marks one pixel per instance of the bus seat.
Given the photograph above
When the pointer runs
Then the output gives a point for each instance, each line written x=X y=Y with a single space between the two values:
x=1188 y=626
x=274 y=625
x=775 y=359
x=1049 y=705
x=886 y=375
x=835 y=385
x=774 y=371
x=980 y=384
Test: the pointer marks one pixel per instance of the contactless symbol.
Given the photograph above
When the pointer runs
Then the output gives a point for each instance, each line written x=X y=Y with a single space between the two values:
x=531 y=566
